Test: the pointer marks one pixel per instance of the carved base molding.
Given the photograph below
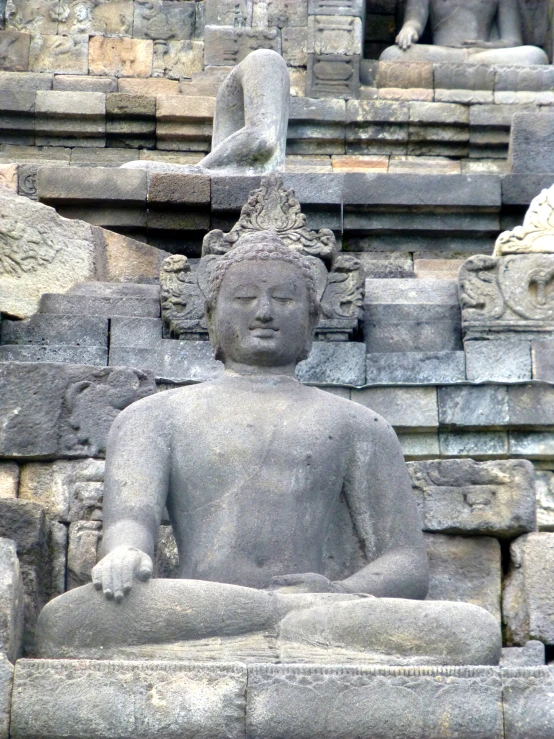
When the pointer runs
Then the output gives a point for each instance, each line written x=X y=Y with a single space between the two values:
x=109 y=699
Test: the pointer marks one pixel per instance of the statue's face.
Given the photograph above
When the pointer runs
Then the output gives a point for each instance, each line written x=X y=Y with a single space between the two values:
x=262 y=314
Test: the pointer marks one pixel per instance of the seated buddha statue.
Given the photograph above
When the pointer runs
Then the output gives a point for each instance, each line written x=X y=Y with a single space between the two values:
x=464 y=31
x=294 y=518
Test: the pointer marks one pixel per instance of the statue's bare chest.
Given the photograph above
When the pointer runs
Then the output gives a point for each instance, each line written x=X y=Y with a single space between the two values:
x=254 y=443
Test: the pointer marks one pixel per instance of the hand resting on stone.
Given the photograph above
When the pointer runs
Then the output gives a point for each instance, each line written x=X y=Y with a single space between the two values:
x=114 y=574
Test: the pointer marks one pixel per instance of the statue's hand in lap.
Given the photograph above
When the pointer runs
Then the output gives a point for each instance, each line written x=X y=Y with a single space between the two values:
x=114 y=574
x=307 y=582
x=407 y=36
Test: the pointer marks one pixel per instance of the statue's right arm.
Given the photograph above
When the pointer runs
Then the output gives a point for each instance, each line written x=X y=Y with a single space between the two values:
x=415 y=20
x=135 y=492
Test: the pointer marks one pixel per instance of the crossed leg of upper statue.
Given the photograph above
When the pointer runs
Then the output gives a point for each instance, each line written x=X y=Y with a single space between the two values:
x=307 y=626
x=250 y=121
x=517 y=56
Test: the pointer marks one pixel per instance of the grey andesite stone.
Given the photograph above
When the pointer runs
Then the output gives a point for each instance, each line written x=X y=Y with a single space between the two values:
x=11 y=605
x=334 y=363
x=532 y=143
x=310 y=702
x=531 y=654
x=461 y=496
x=6 y=680
x=528 y=700
x=25 y=523
x=39 y=251
x=528 y=601
x=85 y=699
x=466 y=569
x=415 y=367
x=64 y=410
x=504 y=360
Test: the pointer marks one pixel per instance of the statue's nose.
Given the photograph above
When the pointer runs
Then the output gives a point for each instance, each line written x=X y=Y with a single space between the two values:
x=264 y=312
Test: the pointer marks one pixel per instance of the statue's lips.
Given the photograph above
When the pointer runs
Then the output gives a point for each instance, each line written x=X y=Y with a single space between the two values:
x=263 y=333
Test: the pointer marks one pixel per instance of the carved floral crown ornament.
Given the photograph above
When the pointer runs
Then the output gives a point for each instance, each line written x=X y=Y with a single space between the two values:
x=512 y=292
x=271 y=207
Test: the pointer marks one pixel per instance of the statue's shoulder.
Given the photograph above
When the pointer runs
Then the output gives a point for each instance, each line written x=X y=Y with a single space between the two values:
x=162 y=406
x=355 y=416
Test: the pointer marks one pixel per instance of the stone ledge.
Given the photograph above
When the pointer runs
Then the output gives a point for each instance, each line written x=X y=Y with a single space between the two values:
x=85 y=698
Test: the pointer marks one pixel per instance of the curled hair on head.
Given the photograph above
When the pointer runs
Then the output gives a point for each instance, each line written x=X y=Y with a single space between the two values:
x=262 y=246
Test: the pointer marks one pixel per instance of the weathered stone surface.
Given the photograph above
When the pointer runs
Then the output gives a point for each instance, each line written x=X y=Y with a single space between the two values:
x=408 y=409
x=52 y=329
x=93 y=355
x=333 y=75
x=175 y=188
x=334 y=35
x=528 y=700
x=163 y=20
x=120 y=57
x=9 y=479
x=167 y=359
x=96 y=18
x=411 y=315
x=542 y=358
x=334 y=363
x=82 y=553
x=59 y=54
x=531 y=143
x=25 y=523
x=39 y=251
x=528 y=606
x=68 y=490
x=117 y=186
x=147 y=699
x=464 y=496
x=467 y=406
x=6 y=680
x=128 y=260
x=22 y=15
x=177 y=60
x=226 y=46
x=76 y=83
x=63 y=410
x=388 y=368
x=466 y=569
x=484 y=445
x=14 y=51
x=544 y=483
x=531 y=654
x=500 y=360
x=307 y=702
x=11 y=608
x=531 y=404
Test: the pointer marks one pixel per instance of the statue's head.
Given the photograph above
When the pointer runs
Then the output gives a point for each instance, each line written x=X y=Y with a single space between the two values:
x=262 y=305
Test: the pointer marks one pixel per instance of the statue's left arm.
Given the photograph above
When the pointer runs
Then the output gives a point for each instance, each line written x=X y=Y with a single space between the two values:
x=383 y=509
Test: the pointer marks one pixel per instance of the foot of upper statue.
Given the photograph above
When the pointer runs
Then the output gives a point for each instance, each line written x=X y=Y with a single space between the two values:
x=170 y=618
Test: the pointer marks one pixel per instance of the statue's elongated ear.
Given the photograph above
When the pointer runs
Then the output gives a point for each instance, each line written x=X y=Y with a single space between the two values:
x=203 y=273
x=320 y=275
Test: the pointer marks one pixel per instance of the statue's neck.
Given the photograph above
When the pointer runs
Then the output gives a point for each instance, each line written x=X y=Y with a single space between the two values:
x=236 y=369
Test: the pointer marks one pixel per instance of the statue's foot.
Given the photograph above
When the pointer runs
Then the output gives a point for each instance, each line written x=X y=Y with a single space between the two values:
x=391 y=631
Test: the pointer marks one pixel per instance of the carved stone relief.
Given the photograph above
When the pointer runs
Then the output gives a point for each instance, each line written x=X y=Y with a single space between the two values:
x=513 y=291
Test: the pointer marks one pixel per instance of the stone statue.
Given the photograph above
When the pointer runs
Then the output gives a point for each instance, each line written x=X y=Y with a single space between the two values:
x=293 y=513
x=478 y=32
x=250 y=122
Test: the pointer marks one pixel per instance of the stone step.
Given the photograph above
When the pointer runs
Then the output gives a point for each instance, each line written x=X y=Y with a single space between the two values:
x=84 y=698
